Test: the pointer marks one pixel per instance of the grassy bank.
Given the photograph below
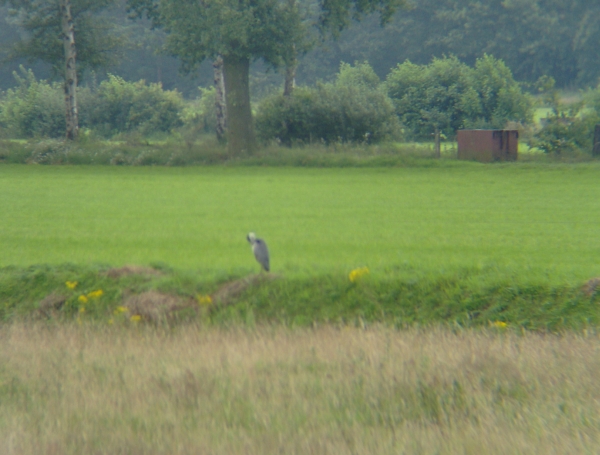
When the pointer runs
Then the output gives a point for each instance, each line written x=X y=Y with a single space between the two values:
x=83 y=389
x=473 y=298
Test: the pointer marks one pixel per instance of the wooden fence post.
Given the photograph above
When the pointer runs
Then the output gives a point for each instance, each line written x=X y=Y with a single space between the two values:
x=596 y=146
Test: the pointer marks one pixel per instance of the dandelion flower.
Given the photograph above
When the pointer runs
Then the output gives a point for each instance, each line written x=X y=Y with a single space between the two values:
x=82 y=309
x=82 y=299
x=136 y=318
x=204 y=299
x=95 y=294
x=357 y=274
x=120 y=309
x=71 y=284
x=500 y=324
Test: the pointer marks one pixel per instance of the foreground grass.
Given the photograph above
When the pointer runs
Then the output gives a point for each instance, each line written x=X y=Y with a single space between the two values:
x=72 y=389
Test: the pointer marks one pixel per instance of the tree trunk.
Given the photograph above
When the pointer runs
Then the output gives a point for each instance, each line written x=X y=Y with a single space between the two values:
x=290 y=74
x=240 y=127
x=220 y=107
x=596 y=145
x=438 y=152
x=68 y=36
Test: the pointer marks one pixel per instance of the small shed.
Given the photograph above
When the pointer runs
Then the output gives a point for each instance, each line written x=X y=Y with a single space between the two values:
x=488 y=145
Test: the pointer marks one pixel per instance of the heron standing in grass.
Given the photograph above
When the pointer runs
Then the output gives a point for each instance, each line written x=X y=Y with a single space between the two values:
x=260 y=250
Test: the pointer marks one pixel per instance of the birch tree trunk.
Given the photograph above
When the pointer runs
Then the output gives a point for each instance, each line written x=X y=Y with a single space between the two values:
x=68 y=36
x=240 y=127
x=220 y=105
x=290 y=74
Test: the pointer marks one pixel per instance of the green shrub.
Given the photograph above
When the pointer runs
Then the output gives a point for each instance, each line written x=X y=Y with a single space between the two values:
x=567 y=129
x=352 y=109
x=199 y=114
x=449 y=95
x=33 y=108
x=123 y=106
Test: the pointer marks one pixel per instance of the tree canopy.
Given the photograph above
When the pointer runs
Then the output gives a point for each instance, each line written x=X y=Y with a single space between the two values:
x=97 y=43
x=448 y=95
x=244 y=30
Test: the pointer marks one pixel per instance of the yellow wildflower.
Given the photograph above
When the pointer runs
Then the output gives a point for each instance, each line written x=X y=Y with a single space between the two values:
x=120 y=309
x=136 y=318
x=82 y=309
x=95 y=294
x=110 y=321
x=500 y=324
x=357 y=274
x=82 y=299
x=71 y=284
x=204 y=299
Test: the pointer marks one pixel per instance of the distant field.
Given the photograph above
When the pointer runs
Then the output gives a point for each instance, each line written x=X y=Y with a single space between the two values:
x=536 y=221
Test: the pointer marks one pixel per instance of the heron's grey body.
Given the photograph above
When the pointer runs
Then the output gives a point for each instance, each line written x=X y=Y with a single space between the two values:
x=260 y=250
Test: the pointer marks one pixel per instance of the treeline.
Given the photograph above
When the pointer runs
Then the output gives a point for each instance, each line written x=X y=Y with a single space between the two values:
x=556 y=38
x=533 y=37
x=412 y=102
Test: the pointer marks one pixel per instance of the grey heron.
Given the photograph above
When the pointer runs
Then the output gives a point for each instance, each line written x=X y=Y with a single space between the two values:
x=260 y=250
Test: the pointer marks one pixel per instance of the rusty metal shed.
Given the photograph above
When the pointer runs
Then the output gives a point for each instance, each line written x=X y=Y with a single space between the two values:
x=488 y=145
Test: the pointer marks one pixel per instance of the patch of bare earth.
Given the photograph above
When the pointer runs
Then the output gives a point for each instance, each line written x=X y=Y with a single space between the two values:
x=128 y=270
x=155 y=306
x=50 y=304
x=227 y=293
x=590 y=287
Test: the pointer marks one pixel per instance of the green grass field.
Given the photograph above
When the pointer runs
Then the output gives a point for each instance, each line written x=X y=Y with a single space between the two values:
x=533 y=221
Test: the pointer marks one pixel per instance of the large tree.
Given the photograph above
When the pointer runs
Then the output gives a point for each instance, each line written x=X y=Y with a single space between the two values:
x=244 y=30
x=71 y=37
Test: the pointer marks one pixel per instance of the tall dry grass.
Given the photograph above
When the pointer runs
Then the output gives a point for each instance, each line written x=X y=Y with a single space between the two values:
x=197 y=390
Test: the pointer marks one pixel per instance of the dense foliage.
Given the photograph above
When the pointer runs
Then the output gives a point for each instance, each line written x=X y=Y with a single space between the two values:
x=138 y=106
x=351 y=109
x=35 y=108
x=533 y=37
x=447 y=95
x=569 y=127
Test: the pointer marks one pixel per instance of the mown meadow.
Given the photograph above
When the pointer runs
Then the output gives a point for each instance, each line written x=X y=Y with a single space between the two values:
x=535 y=222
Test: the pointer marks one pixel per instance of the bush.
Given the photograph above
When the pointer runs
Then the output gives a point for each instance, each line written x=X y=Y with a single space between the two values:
x=34 y=108
x=37 y=108
x=568 y=129
x=449 y=95
x=352 y=109
x=199 y=116
x=123 y=106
